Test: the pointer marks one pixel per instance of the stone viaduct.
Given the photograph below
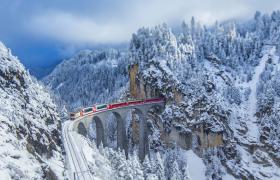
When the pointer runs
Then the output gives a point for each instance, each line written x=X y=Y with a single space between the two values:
x=100 y=119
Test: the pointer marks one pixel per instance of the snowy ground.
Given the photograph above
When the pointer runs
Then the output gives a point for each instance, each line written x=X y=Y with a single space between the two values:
x=253 y=129
x=76 y=161
x=249 y=107
x=258 y=162
x=196 y=166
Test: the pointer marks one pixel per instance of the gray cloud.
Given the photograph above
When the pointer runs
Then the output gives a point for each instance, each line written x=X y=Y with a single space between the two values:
x=113 y=21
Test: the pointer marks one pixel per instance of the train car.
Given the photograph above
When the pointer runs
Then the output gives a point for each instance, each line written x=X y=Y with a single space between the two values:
x=100 y=107
x=135 y=102
x=74 y=115
x=153 y=100
x=117 y=105
x=87 y=110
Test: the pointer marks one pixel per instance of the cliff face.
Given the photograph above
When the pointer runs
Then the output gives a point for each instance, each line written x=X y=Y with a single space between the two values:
x=134 y=85
x=30 y=144
x=141 y=89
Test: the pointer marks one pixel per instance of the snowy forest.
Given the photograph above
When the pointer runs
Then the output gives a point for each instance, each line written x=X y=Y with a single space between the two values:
x=90 y=77
x=227 y=74
x=221 y=89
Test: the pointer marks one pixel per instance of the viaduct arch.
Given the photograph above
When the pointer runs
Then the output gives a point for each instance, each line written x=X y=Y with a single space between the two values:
x=100 y=120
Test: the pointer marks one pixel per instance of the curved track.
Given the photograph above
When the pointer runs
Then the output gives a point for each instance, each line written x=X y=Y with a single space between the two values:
x=77 y=164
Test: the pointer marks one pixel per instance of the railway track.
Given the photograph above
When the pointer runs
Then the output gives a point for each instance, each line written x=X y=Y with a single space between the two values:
x=77 y=164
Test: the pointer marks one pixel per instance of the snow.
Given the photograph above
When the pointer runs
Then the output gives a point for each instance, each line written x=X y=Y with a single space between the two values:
x=196 y=166
x=248 y=108
x=211 y=67
x=92 y=76
x=259 y=170
x=4 y=174
x=100 y=166
x=77 y=164
x=3 y=49
x=57 y=165
x=251 y=123
x=229 y=177
x=102 y=163
x=25 y=135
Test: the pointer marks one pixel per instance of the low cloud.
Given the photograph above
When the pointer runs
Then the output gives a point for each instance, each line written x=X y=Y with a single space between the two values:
x=75 y=29
x=116 y=21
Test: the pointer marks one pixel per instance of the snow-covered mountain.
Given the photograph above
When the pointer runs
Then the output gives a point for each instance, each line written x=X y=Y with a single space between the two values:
x=90 y=77
x=220 y=82
x=30 y=137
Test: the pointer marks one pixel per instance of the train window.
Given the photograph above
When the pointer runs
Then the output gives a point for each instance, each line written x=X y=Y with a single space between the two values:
x=101 y=106
x=87 y=110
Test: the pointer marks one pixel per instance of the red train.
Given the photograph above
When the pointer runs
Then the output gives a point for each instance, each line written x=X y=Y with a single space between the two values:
x=103 y=107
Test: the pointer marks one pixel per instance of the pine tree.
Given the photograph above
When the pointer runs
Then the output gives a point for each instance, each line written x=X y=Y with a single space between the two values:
x=158 y=167
x=136 y=167
x=185 y=172
x=147 y=169
x=193 y=28
x=175 y=171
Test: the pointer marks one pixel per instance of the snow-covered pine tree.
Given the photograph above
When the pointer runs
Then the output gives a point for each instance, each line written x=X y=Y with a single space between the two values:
x=176 y=173
x=158 y=167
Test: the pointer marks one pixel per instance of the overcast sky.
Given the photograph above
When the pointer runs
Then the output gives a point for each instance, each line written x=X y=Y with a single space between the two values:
x=40 y=32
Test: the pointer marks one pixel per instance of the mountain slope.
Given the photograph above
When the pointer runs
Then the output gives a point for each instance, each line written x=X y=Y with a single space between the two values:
x=30 y=126
x=221 y=86
x=207 y=75
x=90 y=77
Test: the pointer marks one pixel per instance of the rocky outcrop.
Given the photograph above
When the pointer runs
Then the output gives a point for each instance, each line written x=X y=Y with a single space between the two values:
x=208 y=139
x=133 y=85
x=141 y=89
x=30 y=126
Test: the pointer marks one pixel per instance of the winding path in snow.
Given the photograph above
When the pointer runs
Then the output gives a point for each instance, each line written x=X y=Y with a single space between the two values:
x=252 y=125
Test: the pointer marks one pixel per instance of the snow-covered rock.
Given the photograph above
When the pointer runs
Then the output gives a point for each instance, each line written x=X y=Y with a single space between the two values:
x=30 y=126
x=227 y=82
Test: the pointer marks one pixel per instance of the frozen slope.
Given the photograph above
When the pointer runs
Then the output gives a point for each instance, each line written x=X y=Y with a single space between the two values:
x=29 y=125
x=252 y=124
x=196 y=166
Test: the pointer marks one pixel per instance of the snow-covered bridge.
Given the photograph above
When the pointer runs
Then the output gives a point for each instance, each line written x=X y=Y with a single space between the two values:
x=120 y=111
